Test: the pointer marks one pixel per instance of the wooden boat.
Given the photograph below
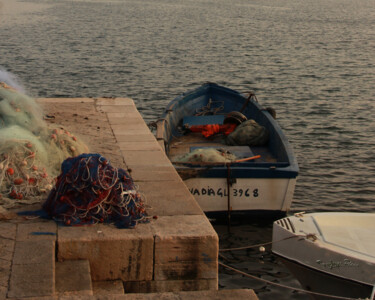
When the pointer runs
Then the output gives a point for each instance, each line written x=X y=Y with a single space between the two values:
x=329 y=253
x=262 y=177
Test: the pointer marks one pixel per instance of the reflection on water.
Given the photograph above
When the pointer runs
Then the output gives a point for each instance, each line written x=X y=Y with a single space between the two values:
x=264 y=265
x=311 y=60
x=14 y=13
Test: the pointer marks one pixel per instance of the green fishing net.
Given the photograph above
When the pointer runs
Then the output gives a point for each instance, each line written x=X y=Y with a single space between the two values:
x=31 y=151
x=207 y=155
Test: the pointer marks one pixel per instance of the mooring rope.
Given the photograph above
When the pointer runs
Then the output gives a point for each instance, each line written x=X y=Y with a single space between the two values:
x=309 y=236
x=268 y=243
x=285 y=286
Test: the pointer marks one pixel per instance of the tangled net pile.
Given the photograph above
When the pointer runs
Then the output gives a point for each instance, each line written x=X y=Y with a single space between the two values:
x=31 y=152
x=89 y=190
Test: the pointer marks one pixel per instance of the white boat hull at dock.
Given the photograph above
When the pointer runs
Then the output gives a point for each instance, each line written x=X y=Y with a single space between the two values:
x=272 y=194
x=329 y=253
x=254 y=174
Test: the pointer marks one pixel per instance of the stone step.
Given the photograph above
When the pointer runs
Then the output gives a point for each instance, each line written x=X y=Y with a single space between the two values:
x=107 y=288
x=73 y=278
x=33 y=269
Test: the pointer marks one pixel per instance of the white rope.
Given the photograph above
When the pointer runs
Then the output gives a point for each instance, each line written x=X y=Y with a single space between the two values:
x=268 y=243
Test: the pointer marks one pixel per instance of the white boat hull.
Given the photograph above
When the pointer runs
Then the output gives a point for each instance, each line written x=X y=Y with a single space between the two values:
x=329 y=253
x=323 y=283
x=246 y=194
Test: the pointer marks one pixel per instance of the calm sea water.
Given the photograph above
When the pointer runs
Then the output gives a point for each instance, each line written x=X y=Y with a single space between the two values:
x=312 y=60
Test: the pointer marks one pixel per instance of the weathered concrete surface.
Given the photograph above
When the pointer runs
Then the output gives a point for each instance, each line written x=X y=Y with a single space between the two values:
x=156 y=286
x=147 y=158
x=175 y=251
x=33 y=264
x=81 y=117
x=33 y=269
x=125 y=254
x=107 y=288
x=34 y=252
x=177 y=201
x=7 y=244
x=243 y=294
x=185 y=248
x=36 y=231
x=73 y=278
x=153 y=175
x=27 y=259
x=136 y=255
x=31 y=280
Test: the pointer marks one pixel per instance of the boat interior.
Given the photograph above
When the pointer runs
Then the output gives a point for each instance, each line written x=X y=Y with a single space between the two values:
x=211 y=105
x=184 y=144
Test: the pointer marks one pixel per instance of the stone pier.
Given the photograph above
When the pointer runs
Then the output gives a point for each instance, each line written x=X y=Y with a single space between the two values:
x=176 y=251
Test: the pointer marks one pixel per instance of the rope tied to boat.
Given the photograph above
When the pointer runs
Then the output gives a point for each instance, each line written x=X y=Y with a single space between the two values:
x=284 y=286
x=268 y=243
x=309 y=236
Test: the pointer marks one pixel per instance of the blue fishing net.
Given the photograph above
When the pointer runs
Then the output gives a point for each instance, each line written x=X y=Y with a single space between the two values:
x=89 y=190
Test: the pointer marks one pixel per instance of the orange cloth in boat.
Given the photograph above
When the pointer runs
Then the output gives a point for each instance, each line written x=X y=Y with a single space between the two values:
x=211 y=129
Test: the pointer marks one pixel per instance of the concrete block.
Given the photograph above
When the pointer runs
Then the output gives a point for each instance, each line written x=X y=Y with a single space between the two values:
x=125 y=254
x=133 y=137
x=150 y=174
x=135 y=120
x=7 y=230
x=5 y=267
x=116 y=108
x=7 y=244
x=120 y=116
x=114 y=101
x=31 y=280
x=128 y=118
x=3 y=292
x=139 y=146
x=189 y=270
x=65 y=100
x=150 y=296
x=153 y=158
x=33 y=267
x=168 y=198
x=156 y=286
x=34 y=252
x=113 y=287
x=243 y=294
x=135 y=128
x=184 y=240
x=36 y=231
x=6 y=249
x=73 y=278
x=40 y=298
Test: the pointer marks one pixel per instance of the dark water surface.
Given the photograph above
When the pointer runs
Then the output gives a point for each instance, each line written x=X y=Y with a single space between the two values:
x=312 y=60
